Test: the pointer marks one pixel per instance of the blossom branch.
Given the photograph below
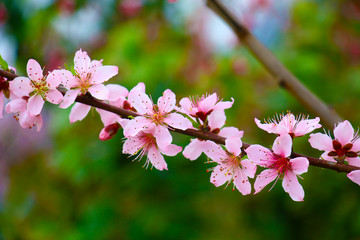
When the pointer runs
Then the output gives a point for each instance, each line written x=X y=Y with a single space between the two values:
x=91 y=101
x=281 y=74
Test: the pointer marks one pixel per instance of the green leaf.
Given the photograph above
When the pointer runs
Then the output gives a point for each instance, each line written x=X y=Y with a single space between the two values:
x=3 y=64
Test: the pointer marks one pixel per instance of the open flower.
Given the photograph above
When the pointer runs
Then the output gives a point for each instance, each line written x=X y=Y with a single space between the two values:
x=279 y=165
x=201 y=107
x=289 y=124
x=149 y=143
x=159 y=116
x=37 y=88
x=231 y=167
x=89 y=78
x=344 y=147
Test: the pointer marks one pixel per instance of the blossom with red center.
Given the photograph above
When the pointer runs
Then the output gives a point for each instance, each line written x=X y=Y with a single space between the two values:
x=344 y=147
x=289 y=124
x=148 y=143
x=214 y=124
x=231 y=167
x=159 y=116
x=89 y=78
x=279 y=165
x=202 y=107
x=37 y=88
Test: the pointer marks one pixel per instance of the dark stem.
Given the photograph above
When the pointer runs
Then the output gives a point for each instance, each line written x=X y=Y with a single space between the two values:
x=91 y=101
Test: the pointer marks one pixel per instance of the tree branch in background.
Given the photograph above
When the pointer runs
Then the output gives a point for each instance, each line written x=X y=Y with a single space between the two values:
x=280 y=73
x=91 y=101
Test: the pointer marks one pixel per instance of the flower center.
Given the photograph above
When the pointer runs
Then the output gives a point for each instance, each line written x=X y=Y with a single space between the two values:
x=281 y=164
x=341 y=152
x=40 y=88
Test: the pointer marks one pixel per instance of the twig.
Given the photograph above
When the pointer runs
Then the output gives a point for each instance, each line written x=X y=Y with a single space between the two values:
x=91 y=101
x=280 y=73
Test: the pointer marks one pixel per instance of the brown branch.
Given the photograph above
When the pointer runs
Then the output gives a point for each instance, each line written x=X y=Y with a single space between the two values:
x=280 y=73
x=91 y=101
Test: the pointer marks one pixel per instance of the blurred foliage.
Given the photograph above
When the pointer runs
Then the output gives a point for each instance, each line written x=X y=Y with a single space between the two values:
x=82 y=188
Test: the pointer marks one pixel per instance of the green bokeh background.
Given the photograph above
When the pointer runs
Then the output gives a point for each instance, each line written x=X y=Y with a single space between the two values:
x=78 y=187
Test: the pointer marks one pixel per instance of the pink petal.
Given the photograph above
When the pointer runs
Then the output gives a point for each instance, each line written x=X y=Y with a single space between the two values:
x=321 y=142
x=218 y=176
x=217 y=119
x=178 y=121
x=354 y=161
x=292 y=186
x=208 y=103
x=299 y=165
x=354 y=176
x=34 y=70
x=54 y=96
x=104 y=73
x=132 y=145
x=344 y=132
x=227 y=132
x=99 y=91
x=39 y=122
x=171 y=150
x=248 y=167
x=213 y=151
x=141 y=102
x=187 y=106
x=194 y=149
x=69 y=98
x=156 y=159
x=264 y=178
x=53 y=79
x=79 y=112
x=139 y=87
x=233 y=145
x=259 y=155
x=166 y=102
x=107 y=117
x=269 y=127
x=224 y=105
x=136 y=125
x=67 y=78
x=35 y=104
x=16 y=105
x=163 y=137
x=82 y=63
x=356 y=145
x=116 y=92
x=242 y=182
x=282 y=145
x=306 y=126
x=21 y=86
x=325 y=156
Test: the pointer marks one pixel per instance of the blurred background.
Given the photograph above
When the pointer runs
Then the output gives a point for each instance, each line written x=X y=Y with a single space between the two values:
x=64 y=183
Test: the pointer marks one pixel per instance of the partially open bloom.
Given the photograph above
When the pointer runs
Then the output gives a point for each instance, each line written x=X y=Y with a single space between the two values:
x=149 y=143
x=344 y=147
x=26 y=120
x=215 y=123
x=289 y=124
x=279 y=165
x=37 y=88
x=89 y=77
x=159 y=116
x=4 y=90
x=231 y=167
x=203 y=106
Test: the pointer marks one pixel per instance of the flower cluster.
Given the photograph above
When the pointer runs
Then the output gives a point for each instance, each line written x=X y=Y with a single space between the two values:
x=148 y=133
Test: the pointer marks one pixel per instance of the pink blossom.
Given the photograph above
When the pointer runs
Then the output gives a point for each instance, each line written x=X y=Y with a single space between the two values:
x=344 y=147
x=289 y=124
x=149 y=142
x=26 y=120
x=89 y=76
x=37 y=87
x=279 y=165
x=231 y=167
x=354 y=176
x=203 y=106
x=215 y=123
x=160 y=116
